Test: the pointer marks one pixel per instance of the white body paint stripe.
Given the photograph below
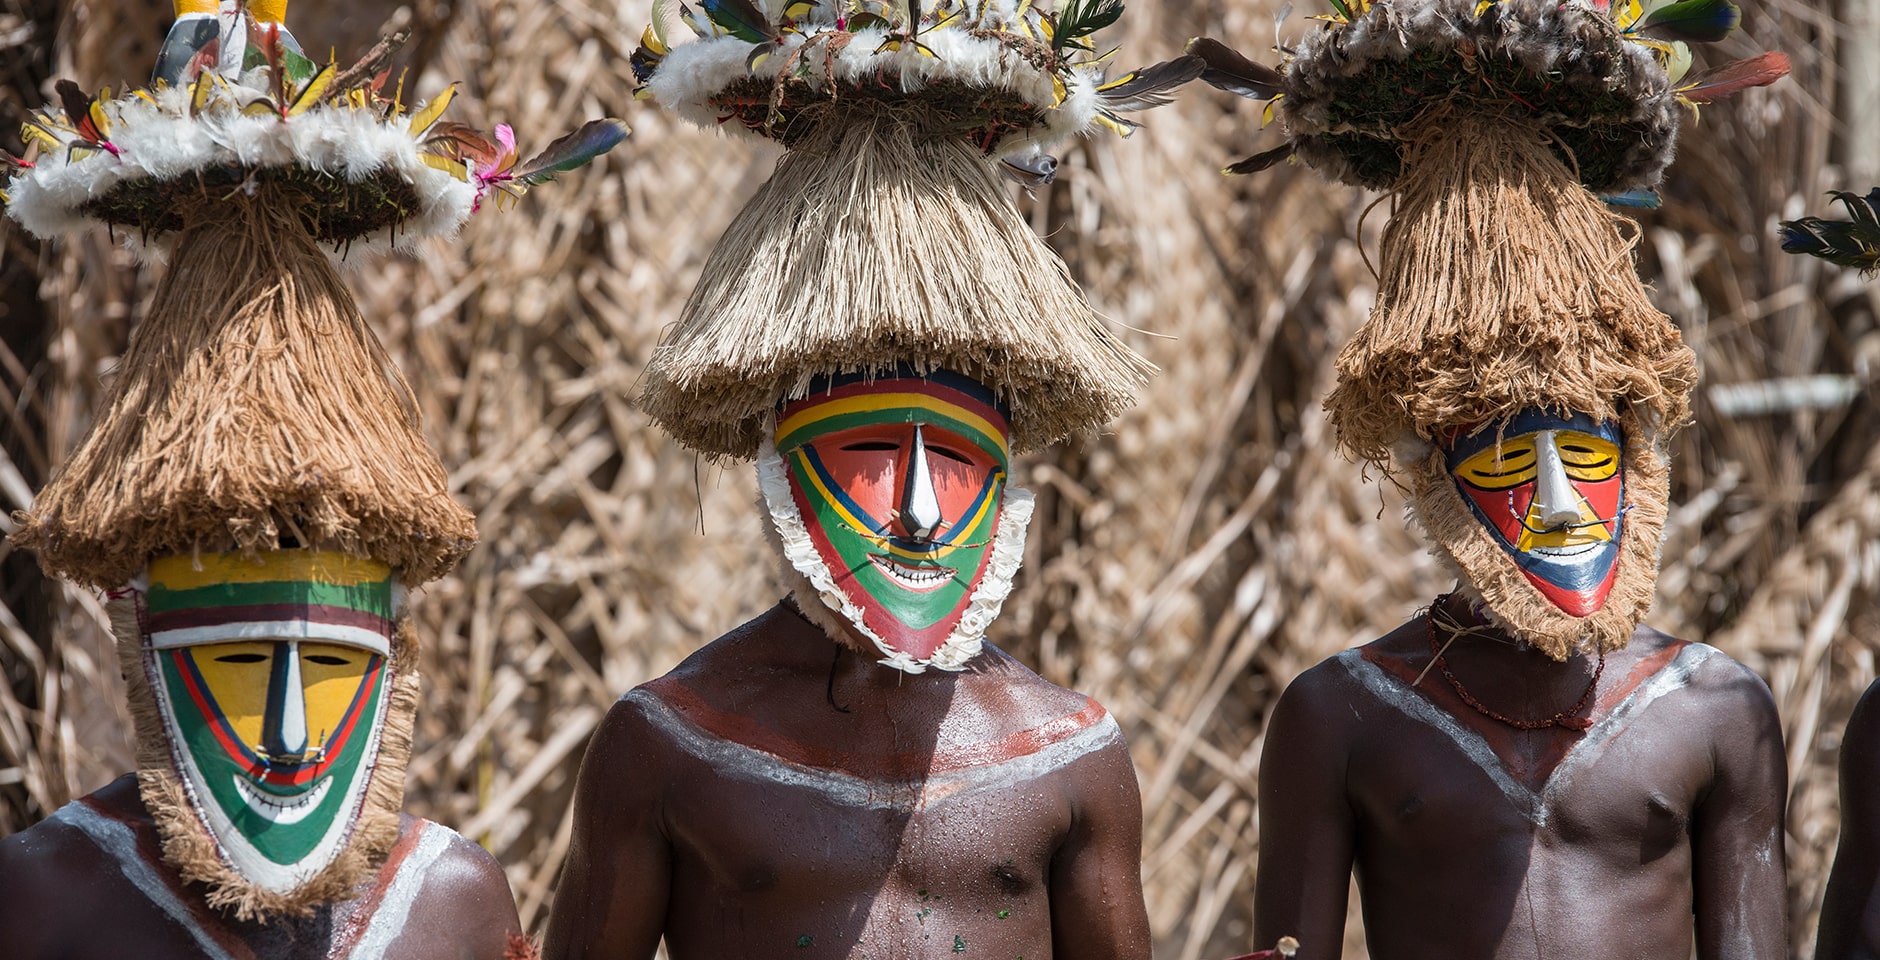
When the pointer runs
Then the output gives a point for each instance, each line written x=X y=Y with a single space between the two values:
x=1393 y=692
x=120 y=842
x=734 y=759
x=388 y=921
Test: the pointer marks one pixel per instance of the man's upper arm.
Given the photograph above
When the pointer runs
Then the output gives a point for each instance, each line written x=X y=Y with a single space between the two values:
x=611 y=901
x=1738 y=874
x=1306 y=824
x=1097 y=910
x=1846 y=931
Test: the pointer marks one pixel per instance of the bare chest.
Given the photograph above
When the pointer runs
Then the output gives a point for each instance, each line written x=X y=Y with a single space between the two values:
x=859 y=846
x=1438 y=777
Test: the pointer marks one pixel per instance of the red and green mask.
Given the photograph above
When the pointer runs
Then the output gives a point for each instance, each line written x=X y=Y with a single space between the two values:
x=891 y=498
x=1549 y=488
x=271 y=678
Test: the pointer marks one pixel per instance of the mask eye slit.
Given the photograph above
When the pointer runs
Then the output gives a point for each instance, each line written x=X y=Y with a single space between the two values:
x=870 y=446
x=241 y=658
x=328 y=660
x=948 y=453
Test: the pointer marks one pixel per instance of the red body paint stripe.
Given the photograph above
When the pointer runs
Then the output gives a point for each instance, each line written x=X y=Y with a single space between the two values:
x=751 y=733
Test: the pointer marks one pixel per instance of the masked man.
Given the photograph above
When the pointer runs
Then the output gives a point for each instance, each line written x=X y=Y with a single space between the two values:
x=856 y=772
x=1522 y=770
x=255 y=499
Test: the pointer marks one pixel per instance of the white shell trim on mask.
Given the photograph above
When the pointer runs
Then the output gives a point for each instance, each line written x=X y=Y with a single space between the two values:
x=964 y=643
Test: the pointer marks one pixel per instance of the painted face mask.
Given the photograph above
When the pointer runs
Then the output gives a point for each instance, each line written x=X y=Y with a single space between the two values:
x=890 y=496
x=1550 y=490
x=272 y=681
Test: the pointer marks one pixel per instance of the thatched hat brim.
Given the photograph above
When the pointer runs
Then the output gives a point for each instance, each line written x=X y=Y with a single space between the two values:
x=252 y=408
x=875 y=246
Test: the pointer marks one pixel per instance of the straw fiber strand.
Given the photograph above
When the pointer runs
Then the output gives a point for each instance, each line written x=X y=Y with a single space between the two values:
x=253 y=406
x=1505 y=286
x=878 y=241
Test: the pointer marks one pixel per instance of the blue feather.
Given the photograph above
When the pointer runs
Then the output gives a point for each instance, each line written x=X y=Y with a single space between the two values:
x=574 y=150
x=1693 y=21
x=1638 y=199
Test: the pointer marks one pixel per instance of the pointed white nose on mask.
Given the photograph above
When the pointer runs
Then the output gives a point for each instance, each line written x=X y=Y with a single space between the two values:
x=1556 y=503
x=920 y=506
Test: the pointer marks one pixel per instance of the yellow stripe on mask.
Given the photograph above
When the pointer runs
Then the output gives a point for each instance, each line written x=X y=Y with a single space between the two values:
x=872 y=402
x=321 y=566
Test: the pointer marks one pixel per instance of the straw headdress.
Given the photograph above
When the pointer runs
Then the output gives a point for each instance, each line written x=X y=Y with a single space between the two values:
x=885 y=239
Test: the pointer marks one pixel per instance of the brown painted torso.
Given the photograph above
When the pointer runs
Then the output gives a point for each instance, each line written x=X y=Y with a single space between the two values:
x=1549 y=832
x=90 y=883
x=877 y=815
x=1473 y=839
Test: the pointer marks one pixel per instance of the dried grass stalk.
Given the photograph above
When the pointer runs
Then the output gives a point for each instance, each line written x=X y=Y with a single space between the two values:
x=252 y=405
x=882 y=238
x=1506 y=286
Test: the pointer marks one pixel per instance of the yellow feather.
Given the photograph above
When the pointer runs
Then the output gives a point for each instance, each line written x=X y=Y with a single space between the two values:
x=32 y=132
x=650 y=40
x=1115 y=126
x=310 y=94
x=422 y=120
x=456 y=168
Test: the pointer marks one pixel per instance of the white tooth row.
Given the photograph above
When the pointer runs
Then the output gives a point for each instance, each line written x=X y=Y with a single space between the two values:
x=913 y=574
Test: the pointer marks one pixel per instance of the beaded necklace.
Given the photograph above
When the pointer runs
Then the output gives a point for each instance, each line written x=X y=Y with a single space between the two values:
x=1568 y=718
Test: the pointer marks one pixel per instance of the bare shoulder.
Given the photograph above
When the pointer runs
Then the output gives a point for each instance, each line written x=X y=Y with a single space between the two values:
x=1727 y=688
x=53 y=882
x=465 y=899
x=468 y=874
x=1022 y=693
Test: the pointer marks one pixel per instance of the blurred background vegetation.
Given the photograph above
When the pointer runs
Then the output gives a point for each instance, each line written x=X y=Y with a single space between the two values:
x=1185 y=564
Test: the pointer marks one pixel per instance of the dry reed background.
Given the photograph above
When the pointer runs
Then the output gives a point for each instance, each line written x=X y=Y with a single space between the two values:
x=1184 y=566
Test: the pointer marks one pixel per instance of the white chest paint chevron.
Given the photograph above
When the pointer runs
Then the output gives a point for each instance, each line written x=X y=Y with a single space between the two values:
x=1539 y=805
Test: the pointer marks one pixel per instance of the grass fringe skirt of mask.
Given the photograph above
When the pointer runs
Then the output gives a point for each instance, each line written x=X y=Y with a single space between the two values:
x=188 y=845
x=253 y=407
x=879 y=241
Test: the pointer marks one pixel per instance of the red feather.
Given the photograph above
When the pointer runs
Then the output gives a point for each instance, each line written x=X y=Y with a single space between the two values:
x=1732 y=78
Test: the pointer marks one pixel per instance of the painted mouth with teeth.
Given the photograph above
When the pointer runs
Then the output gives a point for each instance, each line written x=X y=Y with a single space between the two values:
x=1567 y=552
x=919 y=579
x=283 y=810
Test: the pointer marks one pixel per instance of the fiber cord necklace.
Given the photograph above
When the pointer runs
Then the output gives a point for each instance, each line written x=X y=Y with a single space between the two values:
x=1568 y=718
